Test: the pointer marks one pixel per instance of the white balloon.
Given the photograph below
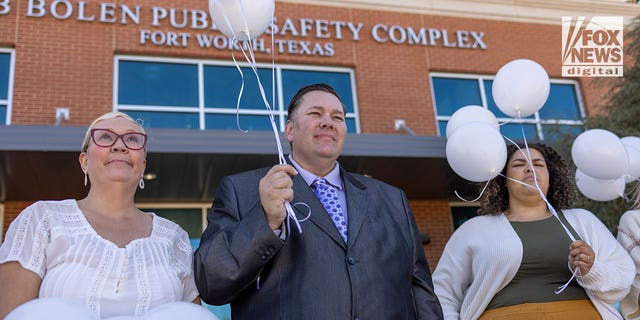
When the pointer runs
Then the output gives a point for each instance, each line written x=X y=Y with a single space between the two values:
x=600 y=154
x=632 y=145
x=247 y=19
x=598 y=189
x=476 y=151
x=51 y=309
x=179 y=310
x=469 y=114
x=521 y=88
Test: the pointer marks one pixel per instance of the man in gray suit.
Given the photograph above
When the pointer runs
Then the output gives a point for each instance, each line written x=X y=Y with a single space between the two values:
x=360 y=258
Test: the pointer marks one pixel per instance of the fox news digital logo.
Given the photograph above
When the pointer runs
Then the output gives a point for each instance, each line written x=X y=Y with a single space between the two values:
x=592 y=47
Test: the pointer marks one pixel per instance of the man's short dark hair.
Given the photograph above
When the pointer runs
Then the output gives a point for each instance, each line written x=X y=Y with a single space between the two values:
x=295 y=101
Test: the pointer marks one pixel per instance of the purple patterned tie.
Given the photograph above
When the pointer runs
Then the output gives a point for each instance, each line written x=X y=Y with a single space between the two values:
x=328 y=196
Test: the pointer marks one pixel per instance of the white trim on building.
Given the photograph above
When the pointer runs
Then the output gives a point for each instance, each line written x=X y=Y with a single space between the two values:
x=539 y=11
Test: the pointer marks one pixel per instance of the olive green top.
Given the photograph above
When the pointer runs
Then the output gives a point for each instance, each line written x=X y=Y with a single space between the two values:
x=545 y=254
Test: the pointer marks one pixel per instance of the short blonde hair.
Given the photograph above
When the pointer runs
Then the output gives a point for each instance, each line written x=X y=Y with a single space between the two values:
x=109 y=115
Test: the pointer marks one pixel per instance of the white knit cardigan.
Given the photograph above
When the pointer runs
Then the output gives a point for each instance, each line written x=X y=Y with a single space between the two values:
x=629 y=237
x=485 y=253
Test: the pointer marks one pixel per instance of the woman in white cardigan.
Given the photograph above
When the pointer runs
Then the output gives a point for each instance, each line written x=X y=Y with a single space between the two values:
x=629 y=237
x=508 y=262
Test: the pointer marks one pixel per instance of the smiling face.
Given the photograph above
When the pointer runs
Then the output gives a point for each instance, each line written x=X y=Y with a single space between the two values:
x=317 y=128
x=116 y=163
x=519 y=168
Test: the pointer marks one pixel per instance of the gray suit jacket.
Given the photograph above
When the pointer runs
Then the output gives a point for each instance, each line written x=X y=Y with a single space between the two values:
x=381 y=273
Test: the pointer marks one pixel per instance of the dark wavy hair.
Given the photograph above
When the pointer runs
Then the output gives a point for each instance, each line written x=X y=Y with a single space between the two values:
x=560 y=194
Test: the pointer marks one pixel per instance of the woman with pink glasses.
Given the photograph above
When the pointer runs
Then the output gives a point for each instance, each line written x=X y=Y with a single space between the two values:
x=100 y=252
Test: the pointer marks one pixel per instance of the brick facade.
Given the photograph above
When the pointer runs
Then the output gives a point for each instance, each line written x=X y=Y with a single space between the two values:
x=66 y=62
x=433 y=217
x=11 y=211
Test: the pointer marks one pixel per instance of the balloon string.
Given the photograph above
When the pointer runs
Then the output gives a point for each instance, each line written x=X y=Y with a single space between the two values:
x=549 y=206
x=290 y=213
x=535 y=180
x=476 y=199
x=252 y=63
x=511 y=120
x=239 y=94
x=233 y=56
x=273 y=65
x=564 y=286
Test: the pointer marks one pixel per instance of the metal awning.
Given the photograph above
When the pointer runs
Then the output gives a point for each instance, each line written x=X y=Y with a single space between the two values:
x=41 y=162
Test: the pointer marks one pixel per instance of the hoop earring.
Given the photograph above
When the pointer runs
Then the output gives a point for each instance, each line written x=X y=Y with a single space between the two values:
x=85 y=179
x=141 y=183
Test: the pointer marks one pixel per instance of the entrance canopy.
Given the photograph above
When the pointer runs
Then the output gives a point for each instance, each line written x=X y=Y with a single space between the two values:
x=41 y=162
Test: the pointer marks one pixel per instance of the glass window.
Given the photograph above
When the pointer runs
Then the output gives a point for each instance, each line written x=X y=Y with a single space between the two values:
x=5 y=65
x=562 y=112
x=442 y=127
x=553 y=131
x=223 y=84
x=158 y=119
x=351 y=125
x=562 y=103
x=516 y=130
x=230 y=122
x=453 y=94
x=461 y=214
x=189 y=219
x=177 y=93
x=6 y=84
x=292 y=80
x=157 y=84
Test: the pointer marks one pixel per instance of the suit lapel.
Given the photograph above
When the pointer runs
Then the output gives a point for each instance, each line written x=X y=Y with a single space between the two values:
x=357 y=205
x=319 y=216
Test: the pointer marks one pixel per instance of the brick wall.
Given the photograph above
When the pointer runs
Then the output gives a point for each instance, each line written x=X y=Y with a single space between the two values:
x=11 y=211
x=434 y=218
x=70 y=63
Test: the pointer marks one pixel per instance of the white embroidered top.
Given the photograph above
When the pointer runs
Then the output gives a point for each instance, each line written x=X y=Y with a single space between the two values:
x=54 y=240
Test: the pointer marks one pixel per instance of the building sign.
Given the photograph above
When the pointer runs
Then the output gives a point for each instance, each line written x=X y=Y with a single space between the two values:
x=191 y=27
x=592 y=47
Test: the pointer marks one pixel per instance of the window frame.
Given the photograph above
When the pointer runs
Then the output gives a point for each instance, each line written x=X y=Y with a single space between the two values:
x=202 y=111
x=539 y=123
x=9 y=101
x=204 y=208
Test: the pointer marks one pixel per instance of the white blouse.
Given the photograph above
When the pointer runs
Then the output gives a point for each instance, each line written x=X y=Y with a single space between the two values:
x=54 y=240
